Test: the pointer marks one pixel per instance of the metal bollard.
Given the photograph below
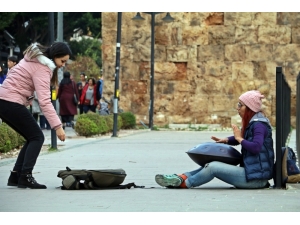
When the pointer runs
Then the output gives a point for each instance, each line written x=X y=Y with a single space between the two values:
x=53 y=133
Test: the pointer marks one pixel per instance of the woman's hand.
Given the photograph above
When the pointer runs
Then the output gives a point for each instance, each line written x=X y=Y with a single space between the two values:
x=61 y=134
x=218 y=140
x=237 y=133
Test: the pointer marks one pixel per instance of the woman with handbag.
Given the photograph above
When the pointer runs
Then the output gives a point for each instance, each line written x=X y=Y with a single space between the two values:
x=88 y=97
x=68 y=99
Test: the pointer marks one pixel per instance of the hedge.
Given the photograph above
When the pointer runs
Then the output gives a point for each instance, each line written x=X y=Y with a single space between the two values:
x=9 y=139
x=103 y=123
x=88 y=124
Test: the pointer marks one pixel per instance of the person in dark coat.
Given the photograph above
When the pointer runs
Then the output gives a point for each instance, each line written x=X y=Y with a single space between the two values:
x=66 y=91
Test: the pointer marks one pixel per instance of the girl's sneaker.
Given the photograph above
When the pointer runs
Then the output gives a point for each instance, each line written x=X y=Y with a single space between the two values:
x=169 y=181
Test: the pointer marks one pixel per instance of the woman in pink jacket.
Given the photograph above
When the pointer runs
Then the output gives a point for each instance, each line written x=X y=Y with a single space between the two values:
x=37 y=71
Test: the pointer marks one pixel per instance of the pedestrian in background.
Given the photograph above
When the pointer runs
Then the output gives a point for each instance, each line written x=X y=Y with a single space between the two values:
x=66 y=91
x=11 y=62
x=37 y=71
x=99 y=88
x=88 y=97
x=2 y=75
x=80 y=85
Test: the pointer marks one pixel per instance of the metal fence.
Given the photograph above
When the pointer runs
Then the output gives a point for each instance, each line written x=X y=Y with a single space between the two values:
x=283 y=120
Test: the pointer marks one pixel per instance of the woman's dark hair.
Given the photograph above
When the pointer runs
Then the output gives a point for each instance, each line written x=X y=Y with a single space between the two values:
x=56 y=50
x=93 y=80
x=66 y=79
x=246 y=119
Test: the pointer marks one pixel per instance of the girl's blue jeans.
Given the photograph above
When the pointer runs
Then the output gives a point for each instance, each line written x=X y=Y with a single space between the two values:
x=234 y=175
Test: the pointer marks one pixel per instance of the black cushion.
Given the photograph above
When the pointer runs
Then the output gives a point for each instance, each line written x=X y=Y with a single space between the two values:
x=211 y=151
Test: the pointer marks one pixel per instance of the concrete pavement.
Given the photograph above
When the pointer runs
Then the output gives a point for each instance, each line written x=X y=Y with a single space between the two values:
x=142 y=154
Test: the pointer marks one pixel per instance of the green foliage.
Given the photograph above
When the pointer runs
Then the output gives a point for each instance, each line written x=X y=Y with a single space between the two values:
x=86 y=64
x=87 y=47
x=87 y=21
x=110 y=122
x=201 y=128
x=155 y=128
x=5 y=143
x=99 y=122
x=128 y=120
x=6 y=18
x=120 y=122
x=9 y=139
x=166 y=126
x=21 y=140
x=37 y=25
x=85 y=127
x=13 y=136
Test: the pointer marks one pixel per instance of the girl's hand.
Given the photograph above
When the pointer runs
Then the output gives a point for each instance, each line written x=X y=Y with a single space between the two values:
x=237 y=133
x=61 y=134
x=218 y=140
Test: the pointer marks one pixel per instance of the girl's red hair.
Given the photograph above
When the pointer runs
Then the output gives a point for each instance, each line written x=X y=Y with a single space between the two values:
x=246 y=119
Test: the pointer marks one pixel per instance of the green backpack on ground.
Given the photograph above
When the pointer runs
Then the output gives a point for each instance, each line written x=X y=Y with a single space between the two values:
x=93 y=179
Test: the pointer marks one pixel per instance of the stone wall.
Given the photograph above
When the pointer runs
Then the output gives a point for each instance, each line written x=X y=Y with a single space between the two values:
x=203 y=62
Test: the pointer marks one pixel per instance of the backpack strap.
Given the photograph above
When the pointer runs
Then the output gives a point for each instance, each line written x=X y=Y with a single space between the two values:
x=121 y=186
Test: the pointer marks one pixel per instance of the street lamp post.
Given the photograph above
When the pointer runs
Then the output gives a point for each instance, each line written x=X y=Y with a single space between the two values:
x=167 y=19
x=116 y=93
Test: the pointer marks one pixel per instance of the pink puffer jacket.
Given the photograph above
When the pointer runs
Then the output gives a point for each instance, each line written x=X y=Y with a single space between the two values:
x=31 y=75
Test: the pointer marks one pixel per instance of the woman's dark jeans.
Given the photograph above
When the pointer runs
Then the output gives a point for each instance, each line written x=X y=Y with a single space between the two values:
x=21 y=120
x=87 y=108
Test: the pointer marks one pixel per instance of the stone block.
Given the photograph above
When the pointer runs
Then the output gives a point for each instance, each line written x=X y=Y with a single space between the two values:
x=181 y=53
x=268 y=34
x=288 y=18
x=108 y=52
x=238 y=18
x=242 y=71
x=265 y=71
x=246 y=35
x=210 y=52
x=143 y=52
x=235 y=52
x=218 y=35
x=284 y=53
x=194 y=35
x=129 y=70
x=263 y=18
x=296 y=35
x=214 y=68
x=259 y=52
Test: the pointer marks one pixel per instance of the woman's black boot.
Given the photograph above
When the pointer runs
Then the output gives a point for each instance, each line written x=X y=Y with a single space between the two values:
x=13 y=178
x=27 y=181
